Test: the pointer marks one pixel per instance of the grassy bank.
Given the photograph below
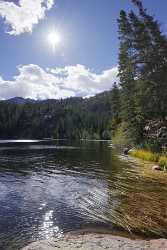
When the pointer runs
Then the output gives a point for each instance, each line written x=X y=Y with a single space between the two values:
x=146 y=155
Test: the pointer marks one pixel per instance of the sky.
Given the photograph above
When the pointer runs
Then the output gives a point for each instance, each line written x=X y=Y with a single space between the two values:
x=85 y=60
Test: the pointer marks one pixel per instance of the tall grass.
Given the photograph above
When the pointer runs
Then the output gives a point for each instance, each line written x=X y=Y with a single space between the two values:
x=150 y=156
x=145 y=155
x=163 y=161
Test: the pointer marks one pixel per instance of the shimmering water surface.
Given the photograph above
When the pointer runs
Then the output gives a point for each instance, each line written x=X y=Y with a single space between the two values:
x=48 y=188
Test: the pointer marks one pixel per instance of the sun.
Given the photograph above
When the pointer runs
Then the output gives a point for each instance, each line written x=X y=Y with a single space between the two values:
x=54 y=39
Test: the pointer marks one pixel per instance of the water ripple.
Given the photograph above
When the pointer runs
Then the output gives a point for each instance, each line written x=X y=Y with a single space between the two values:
x=46 y=190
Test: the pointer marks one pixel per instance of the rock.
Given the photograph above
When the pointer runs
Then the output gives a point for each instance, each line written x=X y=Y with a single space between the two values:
x=126 y=151
x=157 y=131
x=98 y=242
x=156 y=167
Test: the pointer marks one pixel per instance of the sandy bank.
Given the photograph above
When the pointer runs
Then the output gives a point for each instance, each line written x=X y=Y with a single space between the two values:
x=98 y=242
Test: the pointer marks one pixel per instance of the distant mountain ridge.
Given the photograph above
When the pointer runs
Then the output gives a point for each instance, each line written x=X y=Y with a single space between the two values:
x=21 y=100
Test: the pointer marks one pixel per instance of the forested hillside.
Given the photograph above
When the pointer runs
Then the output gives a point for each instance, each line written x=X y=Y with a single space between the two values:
x=70 y=118
x=134 y=112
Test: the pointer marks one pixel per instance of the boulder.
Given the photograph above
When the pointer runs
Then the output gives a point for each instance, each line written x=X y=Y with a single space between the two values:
x=156 y=167
x=126 y=151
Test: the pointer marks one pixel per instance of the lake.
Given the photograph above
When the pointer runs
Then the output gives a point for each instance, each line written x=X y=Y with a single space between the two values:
x=48 y=188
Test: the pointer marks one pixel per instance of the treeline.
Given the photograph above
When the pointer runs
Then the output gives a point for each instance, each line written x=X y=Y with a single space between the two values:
x=143 y=78
x=72 y=118
x=134 y=112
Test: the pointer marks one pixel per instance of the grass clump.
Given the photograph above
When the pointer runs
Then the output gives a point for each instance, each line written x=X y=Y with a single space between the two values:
x=145 y=155
x=150 y=156
x=163 y=161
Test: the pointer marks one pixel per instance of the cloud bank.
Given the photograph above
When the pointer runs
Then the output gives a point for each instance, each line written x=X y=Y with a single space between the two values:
x=70 y=81
x=22 y=17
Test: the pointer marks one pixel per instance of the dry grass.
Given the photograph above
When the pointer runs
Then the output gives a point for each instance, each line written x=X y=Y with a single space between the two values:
x=163 y=161
x=150 y=156
x=145 y=155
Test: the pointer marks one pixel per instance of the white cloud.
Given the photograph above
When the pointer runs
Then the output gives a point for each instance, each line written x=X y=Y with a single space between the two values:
x=37 y=83
x=83 y=82
x=21 y=18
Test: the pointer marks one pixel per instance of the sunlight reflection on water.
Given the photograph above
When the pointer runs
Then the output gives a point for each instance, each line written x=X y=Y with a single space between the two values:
x=48 y=230
x=47 y=192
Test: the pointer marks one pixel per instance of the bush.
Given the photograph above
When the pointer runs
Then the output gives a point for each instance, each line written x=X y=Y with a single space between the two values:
x=152 y=145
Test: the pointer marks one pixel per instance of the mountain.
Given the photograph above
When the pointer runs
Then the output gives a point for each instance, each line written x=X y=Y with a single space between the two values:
x=21 y=100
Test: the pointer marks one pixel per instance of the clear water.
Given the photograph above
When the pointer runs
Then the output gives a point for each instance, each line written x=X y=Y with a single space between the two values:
x=48 y=188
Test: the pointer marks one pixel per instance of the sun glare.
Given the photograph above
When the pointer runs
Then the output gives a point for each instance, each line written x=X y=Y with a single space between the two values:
x=54 y=39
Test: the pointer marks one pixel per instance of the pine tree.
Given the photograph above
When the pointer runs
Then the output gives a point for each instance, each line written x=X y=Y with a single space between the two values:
x=127 y=75
x=141 y=45
x=152 y=51
x=115 y=106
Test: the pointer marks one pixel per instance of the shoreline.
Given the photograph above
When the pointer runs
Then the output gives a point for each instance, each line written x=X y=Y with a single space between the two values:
x=91 y=241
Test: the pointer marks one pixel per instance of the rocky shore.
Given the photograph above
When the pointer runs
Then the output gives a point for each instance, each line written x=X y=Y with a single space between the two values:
x=98 y=242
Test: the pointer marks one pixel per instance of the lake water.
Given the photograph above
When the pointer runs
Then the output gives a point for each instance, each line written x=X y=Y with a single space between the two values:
x=48 y=188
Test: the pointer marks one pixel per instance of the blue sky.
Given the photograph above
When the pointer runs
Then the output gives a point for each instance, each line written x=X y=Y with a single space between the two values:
x=89 y=45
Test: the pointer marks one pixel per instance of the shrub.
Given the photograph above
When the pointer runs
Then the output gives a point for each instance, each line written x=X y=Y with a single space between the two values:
x=152 y=145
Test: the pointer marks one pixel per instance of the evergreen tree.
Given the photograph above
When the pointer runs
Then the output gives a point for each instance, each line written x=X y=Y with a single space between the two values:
x=152 y=58
x=127 y=75
x=142 y=71
x=115 y=106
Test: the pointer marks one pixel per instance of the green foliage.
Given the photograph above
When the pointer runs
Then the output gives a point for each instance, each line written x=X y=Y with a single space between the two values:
x=120 y=136
x=151 y=55
x=72 y=118
x=152 y=144
x=143 y=74
x=115 y=106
